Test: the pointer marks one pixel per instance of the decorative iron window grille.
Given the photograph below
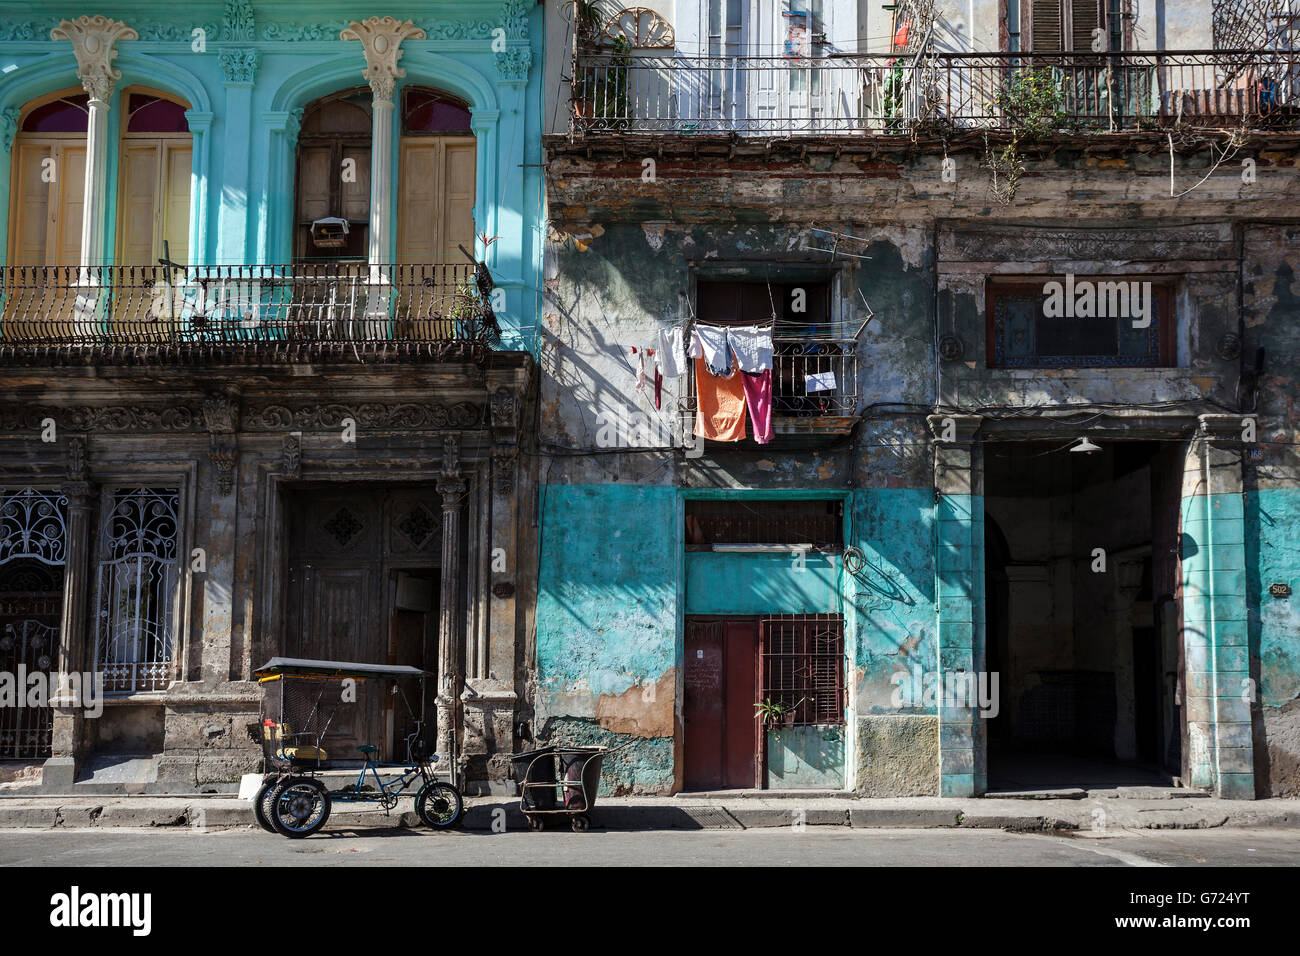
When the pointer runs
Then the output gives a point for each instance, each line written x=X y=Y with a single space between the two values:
x=783 y=523
x=801 y=667
x=1021 y=335
x=33 y=525
x=138 y=571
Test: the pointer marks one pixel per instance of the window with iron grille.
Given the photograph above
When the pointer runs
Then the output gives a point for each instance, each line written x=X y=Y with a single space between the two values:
x=1107 y=333
x=138 y=573
x=787 y=523
x=814 y=353
x=801 y=666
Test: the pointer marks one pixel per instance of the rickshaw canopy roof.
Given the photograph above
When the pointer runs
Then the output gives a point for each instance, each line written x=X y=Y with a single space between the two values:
x=310 y=668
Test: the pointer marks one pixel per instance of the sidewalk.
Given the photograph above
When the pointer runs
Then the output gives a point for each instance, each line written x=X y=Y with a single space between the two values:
x=693 y=813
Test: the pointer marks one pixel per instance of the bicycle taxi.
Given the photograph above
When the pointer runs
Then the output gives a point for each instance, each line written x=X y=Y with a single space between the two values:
x=301 y=701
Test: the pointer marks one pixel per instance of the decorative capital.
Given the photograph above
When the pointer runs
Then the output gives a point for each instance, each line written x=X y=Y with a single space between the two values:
x=513 y=64
x=94 y=41
x=78 y=472
x=953 y=429
x=293 y=126
x=239 y=66
x=381 y=41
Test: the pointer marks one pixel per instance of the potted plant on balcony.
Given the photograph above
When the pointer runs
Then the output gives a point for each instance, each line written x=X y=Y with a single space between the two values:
x=777 y=715
x=587 y=16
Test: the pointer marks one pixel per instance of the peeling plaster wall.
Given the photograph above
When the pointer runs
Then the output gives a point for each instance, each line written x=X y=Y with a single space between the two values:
x=625 y=253
x=607 y=622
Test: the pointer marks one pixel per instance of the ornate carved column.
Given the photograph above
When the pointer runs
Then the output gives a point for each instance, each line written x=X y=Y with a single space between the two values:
x=381 y=40
x=451 y=486
x=94 y=41
x=75 y=654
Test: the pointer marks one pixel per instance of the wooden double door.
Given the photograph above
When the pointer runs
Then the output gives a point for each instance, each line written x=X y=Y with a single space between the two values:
x=362 y=586
x=723 y=740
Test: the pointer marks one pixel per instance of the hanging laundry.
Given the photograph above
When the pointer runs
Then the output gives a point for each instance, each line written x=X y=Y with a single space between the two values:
x=720 y=405
x=758 y=399
x=659 y=388
x=715 y=349
x=640 y=371
x=752 y=346
x=672 y=351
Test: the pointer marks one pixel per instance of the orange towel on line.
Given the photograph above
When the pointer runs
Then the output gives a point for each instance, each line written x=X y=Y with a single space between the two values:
x=720 y=404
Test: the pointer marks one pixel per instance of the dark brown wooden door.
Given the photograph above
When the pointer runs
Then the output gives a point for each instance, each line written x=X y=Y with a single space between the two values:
x=718 y=707
x=345 y=549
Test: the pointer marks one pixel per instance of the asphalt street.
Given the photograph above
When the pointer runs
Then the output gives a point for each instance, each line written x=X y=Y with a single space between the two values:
x=820 y=846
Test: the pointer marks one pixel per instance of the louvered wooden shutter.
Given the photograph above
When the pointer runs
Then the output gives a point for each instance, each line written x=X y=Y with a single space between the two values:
x=1045 y=25
x=1085 y=16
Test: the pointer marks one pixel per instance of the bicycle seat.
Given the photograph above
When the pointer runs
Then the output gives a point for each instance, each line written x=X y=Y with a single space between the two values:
x=368 y=748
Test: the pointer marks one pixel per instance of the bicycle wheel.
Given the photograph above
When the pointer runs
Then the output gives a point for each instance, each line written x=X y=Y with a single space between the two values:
x=299 y=807
x=439 y=805
x=262 y=805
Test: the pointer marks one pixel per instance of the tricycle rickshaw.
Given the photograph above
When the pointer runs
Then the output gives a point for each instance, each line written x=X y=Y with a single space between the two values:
x=301 y=699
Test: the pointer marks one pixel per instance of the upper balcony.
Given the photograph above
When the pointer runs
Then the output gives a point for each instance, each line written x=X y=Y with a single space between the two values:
x=245 y=313
x=901 y=94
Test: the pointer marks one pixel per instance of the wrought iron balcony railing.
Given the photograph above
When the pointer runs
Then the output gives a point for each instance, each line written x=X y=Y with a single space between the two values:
x=882 y=95
x=814 y=385
x=254 y=311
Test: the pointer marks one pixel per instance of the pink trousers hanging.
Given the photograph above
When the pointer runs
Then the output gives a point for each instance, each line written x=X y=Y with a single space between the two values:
x=758 y=399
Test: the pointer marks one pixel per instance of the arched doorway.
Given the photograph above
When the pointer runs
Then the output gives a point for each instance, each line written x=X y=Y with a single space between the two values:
x=155 y=163
x=32 y=542
x=333 y=177
x=49 y=181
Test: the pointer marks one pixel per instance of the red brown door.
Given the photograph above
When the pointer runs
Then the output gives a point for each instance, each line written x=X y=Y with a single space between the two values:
x=720 y=738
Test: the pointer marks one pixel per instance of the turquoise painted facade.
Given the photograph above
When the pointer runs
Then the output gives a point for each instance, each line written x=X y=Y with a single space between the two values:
x=248 y=69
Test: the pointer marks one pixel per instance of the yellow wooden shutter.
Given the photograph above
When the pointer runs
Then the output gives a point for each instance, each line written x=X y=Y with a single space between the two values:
x=30 y=232
x=458 y=197
x=137 y=203
x=176 y=206
x=71 y=192
x=435 y=208
x=417 y=203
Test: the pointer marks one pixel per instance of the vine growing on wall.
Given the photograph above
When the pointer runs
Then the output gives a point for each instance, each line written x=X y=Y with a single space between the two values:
x=1032 y=106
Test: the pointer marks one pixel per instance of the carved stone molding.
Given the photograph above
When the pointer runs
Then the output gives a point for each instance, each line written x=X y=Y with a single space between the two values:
x=370 y=415
x=503 y=478
x=291 y=456
x=8 y=127
x=94 y=41
x=381 y=40
x=237 y=21
x=108 y=418
x=78 y=470
x=223 y=454
x=504 y=409
x=451 y=457
x=220 y=413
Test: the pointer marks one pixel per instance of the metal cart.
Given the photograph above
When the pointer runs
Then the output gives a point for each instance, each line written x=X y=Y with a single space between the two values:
x=560 y=781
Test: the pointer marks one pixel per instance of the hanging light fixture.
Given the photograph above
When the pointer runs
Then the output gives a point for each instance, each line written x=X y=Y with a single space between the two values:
x=1086 y=446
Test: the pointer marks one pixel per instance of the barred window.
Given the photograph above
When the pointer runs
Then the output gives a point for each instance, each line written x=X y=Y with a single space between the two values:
x=138 y=572
x=801 y=666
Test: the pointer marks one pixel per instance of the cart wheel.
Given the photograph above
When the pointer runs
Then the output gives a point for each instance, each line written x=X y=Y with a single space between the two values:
x=536 y=823
x=299 y=806
x=439 y=805
x=262 y=805
x=581 y=823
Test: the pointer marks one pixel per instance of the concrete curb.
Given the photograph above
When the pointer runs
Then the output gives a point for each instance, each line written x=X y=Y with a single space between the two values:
x=673 y=814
